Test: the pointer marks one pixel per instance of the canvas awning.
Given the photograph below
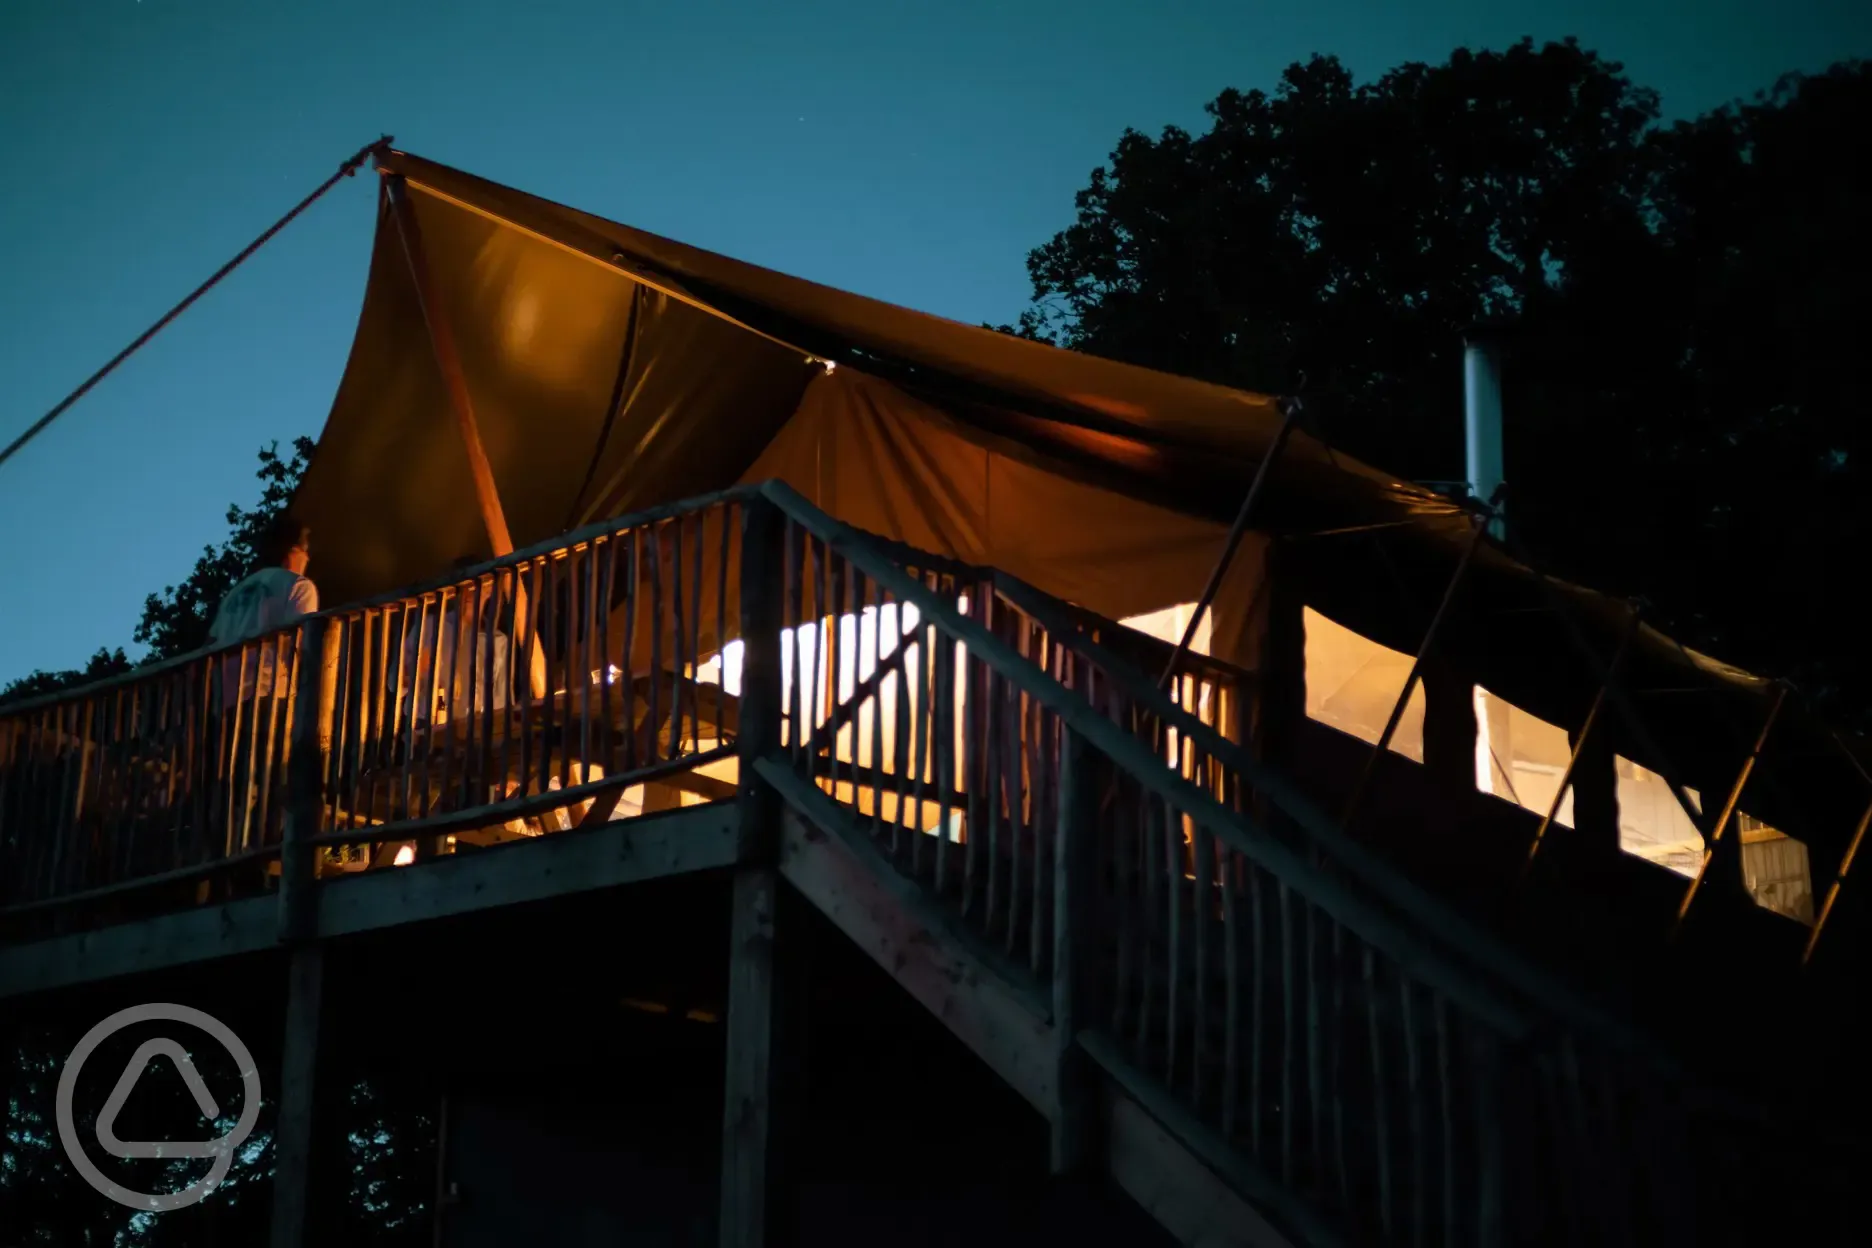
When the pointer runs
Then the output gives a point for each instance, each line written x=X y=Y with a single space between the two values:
x=613 y=369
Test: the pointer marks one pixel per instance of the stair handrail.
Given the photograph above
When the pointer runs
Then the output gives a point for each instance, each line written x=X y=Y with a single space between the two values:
x=1377 y=925
x=1450 y=927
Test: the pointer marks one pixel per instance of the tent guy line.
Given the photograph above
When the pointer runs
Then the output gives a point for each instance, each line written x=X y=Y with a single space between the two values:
x=348 y=169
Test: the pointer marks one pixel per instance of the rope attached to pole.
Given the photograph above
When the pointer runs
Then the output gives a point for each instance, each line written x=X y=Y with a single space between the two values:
x=348 y=169
x=1290 y=417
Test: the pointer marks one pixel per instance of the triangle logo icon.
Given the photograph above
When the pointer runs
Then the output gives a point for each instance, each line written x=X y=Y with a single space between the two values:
x=133 y=1072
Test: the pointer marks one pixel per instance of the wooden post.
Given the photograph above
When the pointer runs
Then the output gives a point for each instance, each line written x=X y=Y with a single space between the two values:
x=1722 y=858
x=763 y=566
x=1290 y=418
x=1591 y=772
x=1479 y=524
x=1839 y=880
x=1279 y=690
x=448 y=360
x=1594 y=776
x=293 y=1132
x=754 y=1210
x=308 y=765
x=1449 y=731
x=1075 y=873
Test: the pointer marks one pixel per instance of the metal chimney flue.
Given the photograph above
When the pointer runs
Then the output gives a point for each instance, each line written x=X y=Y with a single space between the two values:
x=1482 y=419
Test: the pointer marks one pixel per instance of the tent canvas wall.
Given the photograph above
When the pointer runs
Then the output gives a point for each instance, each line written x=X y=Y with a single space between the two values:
x=612 y=369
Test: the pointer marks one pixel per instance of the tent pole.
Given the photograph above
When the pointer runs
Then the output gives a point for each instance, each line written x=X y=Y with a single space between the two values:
x=1716 y=843
x=448 y=359
x=1478 y=526
x=1613 y=688
x=1839 y=878
x=1290 y=417
x=1579 y=746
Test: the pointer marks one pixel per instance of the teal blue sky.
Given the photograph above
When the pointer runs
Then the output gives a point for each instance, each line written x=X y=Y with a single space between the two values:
x=908 y=151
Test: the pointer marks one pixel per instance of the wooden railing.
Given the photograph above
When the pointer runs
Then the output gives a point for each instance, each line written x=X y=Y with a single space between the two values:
x=1374 y=1069
x=169 y=772
x=1370 y=1066
x=523 y=695
x=907 y=729
x=534 y=692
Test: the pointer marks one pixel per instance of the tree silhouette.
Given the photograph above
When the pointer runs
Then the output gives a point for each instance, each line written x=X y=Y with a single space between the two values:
x=1677 y=301
x=176 y=620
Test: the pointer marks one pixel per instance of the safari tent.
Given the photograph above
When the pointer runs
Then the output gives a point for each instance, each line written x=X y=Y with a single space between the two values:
x=609 y=369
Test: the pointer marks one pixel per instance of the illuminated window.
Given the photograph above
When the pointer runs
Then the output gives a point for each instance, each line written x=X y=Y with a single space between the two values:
x=1652 y=824
x=1353 y=682
x=1168 y=624
x=1520 y=757
x=1774 y=866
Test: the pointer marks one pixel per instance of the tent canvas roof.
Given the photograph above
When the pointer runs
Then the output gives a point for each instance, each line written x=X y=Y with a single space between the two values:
x=613 y=369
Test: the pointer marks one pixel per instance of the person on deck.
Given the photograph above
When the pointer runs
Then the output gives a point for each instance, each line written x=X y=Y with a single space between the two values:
x=253 y=678
x=275 y=594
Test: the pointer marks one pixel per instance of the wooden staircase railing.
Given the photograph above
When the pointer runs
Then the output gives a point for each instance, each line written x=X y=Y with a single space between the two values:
x=1389 y=1072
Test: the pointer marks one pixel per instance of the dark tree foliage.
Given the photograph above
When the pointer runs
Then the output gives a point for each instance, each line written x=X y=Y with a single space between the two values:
x=176 y=620
x=379 y=1197
x=1677 y=300
x=103 y=663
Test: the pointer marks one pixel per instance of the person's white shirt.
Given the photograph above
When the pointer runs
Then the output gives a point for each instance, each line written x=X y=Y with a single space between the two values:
x=267 y=600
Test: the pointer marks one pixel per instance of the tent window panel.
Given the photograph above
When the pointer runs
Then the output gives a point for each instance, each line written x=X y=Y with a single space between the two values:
x=1353 y=682
x=1652 y=825
x=1168 y=624
x=1775 y=868
x=1520 y=757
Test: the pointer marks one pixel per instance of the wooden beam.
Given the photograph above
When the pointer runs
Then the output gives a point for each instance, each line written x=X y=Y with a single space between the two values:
x=199 y=934
x=679 y=842
x=755 y=1209
x=977 y=997
x=1722 y=858
x=293 y=1130
x=455 y=380
x=1185 y=1196
x=1075 y=869
x=307 y=766
x=1191 y=1180
x=753 y=1212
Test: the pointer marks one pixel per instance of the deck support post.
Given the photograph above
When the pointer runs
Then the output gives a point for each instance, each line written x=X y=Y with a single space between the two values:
x=293 y=1133
x=307 y=768
x=1076 y=1131
x=762 y=1023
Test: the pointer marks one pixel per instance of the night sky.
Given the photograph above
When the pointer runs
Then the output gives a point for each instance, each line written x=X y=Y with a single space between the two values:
x=911 y=152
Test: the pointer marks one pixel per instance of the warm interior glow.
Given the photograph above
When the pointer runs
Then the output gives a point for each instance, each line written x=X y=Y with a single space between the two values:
x=405 y=856
x=1652 y=824
x=1353 y=682
x=1775 y=869
x=710 y=673
x=1520 y=757
x=831 y=660
x=1168 y=624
